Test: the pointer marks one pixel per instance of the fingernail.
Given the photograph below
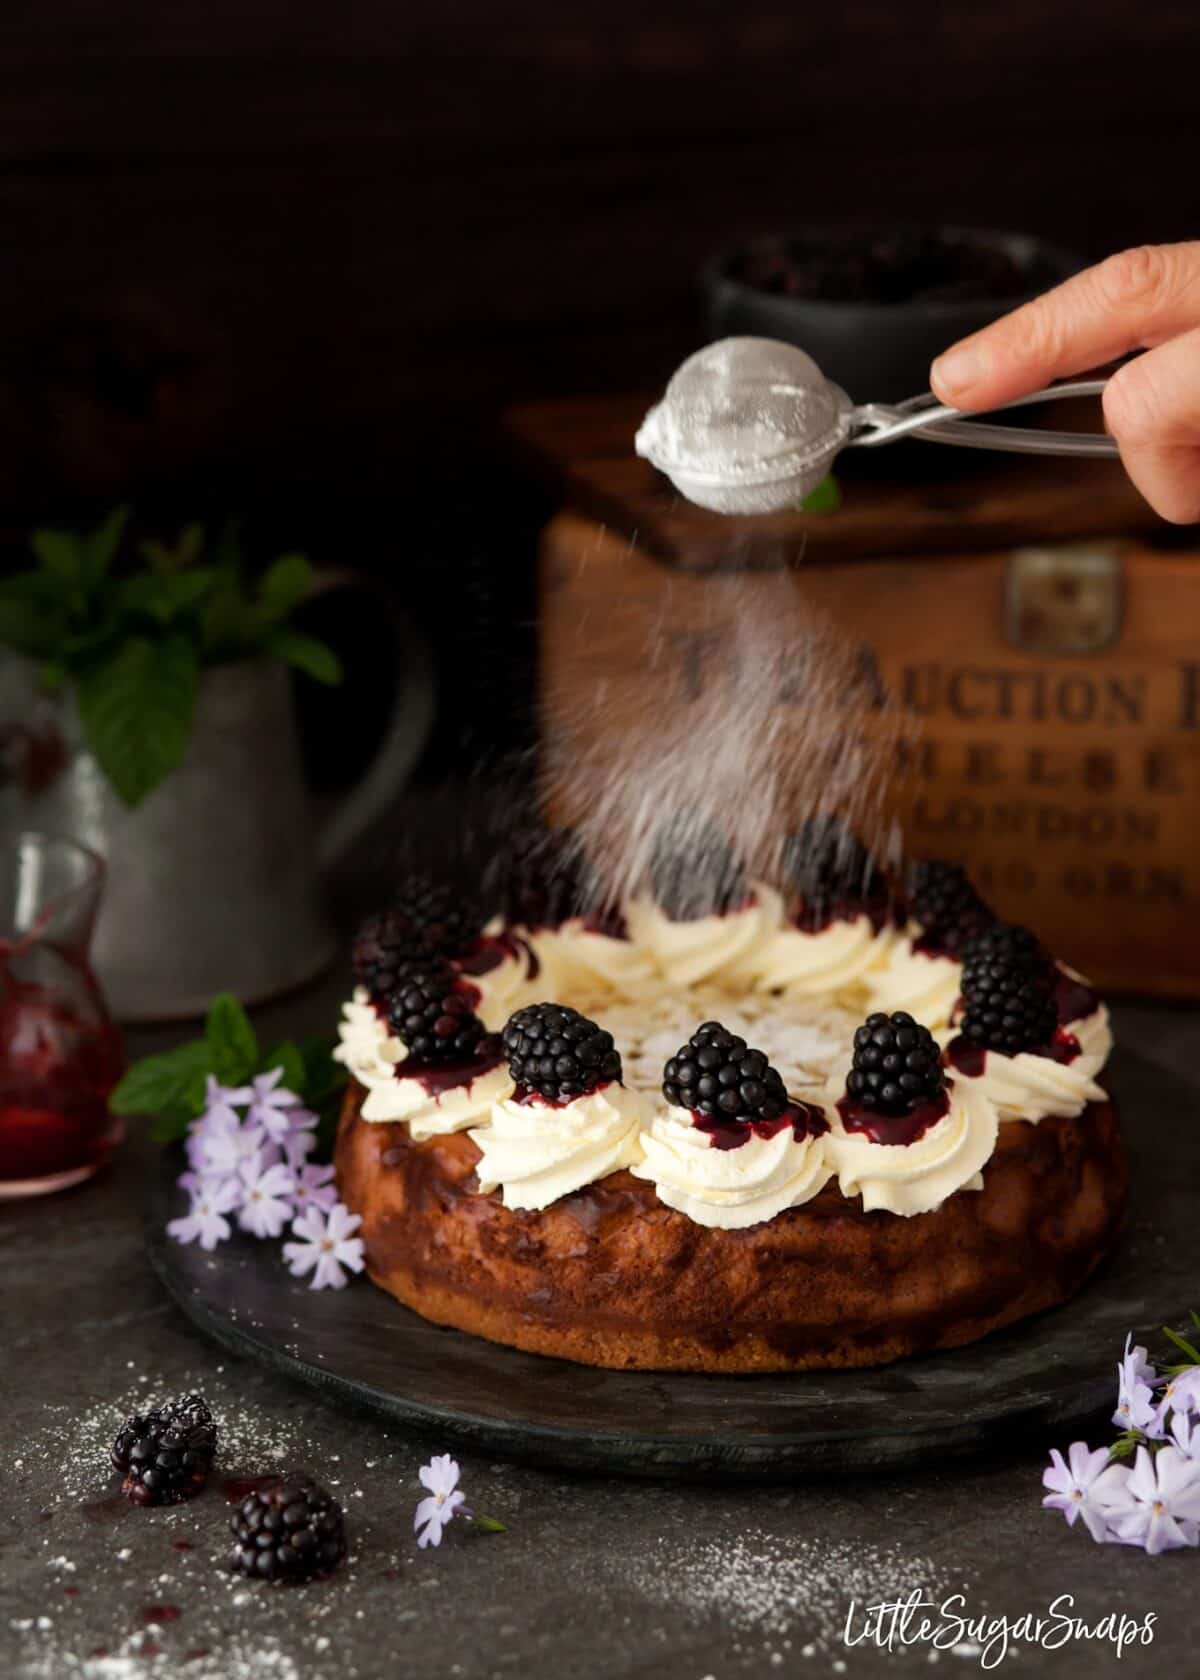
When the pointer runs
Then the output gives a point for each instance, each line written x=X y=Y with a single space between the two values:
x=958 y=370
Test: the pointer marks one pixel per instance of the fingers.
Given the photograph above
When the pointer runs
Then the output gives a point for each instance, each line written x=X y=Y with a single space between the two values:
x=1137 y=298
x=1152 y=408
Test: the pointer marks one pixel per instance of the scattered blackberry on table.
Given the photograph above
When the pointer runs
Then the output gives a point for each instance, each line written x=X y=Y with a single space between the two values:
x=896 y=1065
x=288 y=1531
x=427 y=918
x=947 y=906
x=166 y=1455
x=558 y=1053
x=718 y=1075
x=1008 y=991
x=693 y=871
x=430 y=1009
x=831 y=870
x=540 y=877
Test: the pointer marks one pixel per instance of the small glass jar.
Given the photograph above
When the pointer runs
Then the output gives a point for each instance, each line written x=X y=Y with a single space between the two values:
x=60 y=1054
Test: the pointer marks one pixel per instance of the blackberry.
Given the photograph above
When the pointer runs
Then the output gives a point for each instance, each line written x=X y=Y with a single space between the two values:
x=428 y=918
x=429 y=1008
x=896 y=1066
x=693 y=872
x=831 y=871
x=717 y=1075
x=166 y=1455
x=290 y=1530
x=1008 y=991
x=539 y=877
x=947 y=906
x=558 y=1053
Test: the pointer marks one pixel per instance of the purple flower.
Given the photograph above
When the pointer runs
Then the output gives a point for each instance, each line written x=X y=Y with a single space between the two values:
x=433 y=1513
x=1135 y=1396
x=219 y=1100
x=1084 y=1485
x=225 y=1147
x=205 y=1220
x=1185 y=1432
x=327 y=1245
x=1180 y=1394
x=266 y=1189
x=313 y=1186
x=271 y=1105
x=301 y=1138
x=1158 y=1505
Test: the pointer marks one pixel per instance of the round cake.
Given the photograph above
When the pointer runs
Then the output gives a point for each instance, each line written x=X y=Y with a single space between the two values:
x=730 y=1125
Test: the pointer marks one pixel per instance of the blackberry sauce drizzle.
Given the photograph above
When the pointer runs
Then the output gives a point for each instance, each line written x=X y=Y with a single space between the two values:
x=528 y=1098
x=436 y=1078
x=804 y=1119
x=892 y=1129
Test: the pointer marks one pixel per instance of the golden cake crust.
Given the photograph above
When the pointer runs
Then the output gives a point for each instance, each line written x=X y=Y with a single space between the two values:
x=611 y=1276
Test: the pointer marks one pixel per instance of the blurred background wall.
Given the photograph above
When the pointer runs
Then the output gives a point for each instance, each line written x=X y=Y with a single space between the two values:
x=294 y=258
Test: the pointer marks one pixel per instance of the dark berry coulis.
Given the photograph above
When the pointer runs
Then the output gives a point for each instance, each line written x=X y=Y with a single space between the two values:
x=894 y=1128
x=490 y=951
x=971 y=1059
x=529 y=1098
x=1074 y=999
x=803 y=1118
x=435 y=1078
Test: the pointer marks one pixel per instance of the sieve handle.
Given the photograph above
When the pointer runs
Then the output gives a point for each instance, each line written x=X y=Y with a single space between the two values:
x=924 y=417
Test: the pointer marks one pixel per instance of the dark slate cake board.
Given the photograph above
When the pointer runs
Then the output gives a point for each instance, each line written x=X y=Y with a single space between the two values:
x=358 y=1347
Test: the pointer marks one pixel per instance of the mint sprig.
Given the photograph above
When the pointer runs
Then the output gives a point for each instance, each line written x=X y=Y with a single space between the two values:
x=131 y=632
x=171 y=1086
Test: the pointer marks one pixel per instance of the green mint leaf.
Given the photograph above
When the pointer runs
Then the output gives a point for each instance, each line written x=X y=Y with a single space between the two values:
x=28 y=629
x=306 y=654
x=1184 y=1346
x=165 y=596
x=169 y=1083
x=136 y=708
x=488 y=1525
x=100 y=546
x=232 y=1045
x=825 y=498
x=170 y=1125
x=60 y=554
x=283 y=586
x=288 y=1057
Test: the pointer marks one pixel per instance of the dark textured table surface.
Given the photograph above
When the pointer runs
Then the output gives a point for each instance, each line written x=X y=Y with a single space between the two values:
x=594 y=1577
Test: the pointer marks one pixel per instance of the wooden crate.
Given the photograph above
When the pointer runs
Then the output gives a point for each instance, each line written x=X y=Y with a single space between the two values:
x=1043 y=649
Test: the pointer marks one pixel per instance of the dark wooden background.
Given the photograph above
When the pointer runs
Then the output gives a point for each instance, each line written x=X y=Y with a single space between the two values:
x=294 y=257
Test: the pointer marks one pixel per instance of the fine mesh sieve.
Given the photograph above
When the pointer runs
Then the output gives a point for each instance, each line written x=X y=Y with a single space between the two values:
x=751 y=425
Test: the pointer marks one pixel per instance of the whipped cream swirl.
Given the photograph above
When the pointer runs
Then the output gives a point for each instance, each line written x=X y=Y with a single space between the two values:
x=708 y=947
x=375 y=1057
x=534 y=1152
x=584 y=960
x=830 y=962
x=729 y=1189
x=917 y=1177
x=924 y=983
x=518 y=976
x=1031 y=1087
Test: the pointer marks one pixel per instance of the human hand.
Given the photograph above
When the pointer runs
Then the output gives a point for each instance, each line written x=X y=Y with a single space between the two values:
x=1144 y=299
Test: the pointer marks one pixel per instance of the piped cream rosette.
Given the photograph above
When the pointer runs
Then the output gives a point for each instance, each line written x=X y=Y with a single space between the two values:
x=923 y=983
x=374 y=1055
x=534 y=1152
x=729 y=1189
x=1030 y=1087
x=917 y=1177
x=833 y=962
x=708 y=947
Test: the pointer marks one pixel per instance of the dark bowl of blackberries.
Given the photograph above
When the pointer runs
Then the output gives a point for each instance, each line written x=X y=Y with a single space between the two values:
x=874 y=305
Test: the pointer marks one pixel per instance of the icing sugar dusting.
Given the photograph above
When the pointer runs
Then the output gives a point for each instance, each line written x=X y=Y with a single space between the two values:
x=739 y=713
x=783 y=1598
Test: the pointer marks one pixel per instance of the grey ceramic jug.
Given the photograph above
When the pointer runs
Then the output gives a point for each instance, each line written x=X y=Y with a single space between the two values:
x=213 y=881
